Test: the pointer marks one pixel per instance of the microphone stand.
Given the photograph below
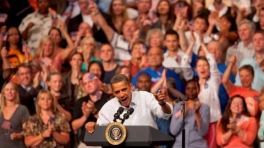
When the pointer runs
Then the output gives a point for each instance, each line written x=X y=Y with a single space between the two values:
x=183 y=123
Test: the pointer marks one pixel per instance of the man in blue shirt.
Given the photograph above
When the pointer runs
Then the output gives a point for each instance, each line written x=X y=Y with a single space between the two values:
x=155 y=69
x=256 y=62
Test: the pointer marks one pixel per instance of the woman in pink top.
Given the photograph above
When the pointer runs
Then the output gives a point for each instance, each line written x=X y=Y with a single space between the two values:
x=246 y=74
x=236 y=129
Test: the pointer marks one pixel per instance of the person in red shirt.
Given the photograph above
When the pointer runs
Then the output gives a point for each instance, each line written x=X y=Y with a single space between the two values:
x=246 y=74
x=236 y=128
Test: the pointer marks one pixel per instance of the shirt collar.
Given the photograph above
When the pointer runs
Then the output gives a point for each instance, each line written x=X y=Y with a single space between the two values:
x=250 y=46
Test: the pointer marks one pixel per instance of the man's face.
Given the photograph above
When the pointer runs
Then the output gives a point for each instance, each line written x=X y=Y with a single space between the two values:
x=24 y=76
x=244 y=32
x=214 y=48
x=155 y=57
x=43 y=6
x=84 y=4
x=122 y=91
x=258 y=42
x=171 y=42
x=106 y=53
x=143 y=6
x=128 y=29
x=144 y=83
x=90 y=83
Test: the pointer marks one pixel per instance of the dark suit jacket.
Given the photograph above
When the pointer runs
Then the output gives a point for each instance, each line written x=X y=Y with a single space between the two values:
x=68 y=88
x=98 y=34
x=27 y=98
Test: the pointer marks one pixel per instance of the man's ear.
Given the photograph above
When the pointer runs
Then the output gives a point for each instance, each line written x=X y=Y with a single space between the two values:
x=131 y=86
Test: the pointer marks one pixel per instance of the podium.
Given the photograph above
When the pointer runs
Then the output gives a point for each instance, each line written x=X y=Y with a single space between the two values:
x=137 y=136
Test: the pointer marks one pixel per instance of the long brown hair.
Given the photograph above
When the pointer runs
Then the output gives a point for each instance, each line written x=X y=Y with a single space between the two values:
x=227 y=113
x=124 y=15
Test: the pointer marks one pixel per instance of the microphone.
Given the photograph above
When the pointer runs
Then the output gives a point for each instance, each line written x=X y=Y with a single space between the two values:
x=127 y=114
x=118 y=113
x=177 y=99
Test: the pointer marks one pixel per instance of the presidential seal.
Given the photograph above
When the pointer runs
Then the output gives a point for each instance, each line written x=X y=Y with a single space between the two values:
x=115 y=133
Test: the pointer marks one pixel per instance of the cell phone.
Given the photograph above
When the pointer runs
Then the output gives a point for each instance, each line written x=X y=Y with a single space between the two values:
x=3 y=17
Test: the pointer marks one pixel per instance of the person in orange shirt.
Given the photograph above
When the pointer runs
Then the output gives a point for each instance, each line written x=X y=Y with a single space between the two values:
x=236 y=129
x=246 y=74
x=15 y=47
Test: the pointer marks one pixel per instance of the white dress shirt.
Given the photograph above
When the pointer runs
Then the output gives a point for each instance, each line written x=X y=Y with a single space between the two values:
x=88 y=20
x=173 y=62
x=146 y=109
x=121 y=47
x=209 y=92
x=42 y=26
x=240 y=51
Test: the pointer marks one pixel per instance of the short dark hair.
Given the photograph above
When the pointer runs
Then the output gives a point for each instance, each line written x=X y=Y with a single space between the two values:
x=201 y=17
x=193 y=80
x=24 y=65
x=119 y=78
x=259 y=32
x=144 y=74
x=171 y=32
x=248 y=68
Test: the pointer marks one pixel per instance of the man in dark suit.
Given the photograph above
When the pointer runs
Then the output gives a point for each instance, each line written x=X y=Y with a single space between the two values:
x=27 y=90
x=85 y=16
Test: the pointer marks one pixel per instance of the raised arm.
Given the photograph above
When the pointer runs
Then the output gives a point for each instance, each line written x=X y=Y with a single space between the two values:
x=225 y=79
x=212 y=22
x=215 y=74
x=6 y=64
x=101 y=22
x=2 y=31
x=180 y=27
x=159 y=84
x=65 y=53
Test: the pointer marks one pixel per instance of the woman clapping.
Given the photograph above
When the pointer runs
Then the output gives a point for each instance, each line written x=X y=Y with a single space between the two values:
x=47 y=128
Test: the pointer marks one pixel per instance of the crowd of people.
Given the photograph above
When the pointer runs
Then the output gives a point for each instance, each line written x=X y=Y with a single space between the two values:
x=68 y=65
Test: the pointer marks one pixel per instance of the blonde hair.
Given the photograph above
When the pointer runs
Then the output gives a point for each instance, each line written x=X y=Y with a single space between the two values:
x=152 y=32
x=53 y=105
x=88 y=39
x=3 y=99
x=39 y=52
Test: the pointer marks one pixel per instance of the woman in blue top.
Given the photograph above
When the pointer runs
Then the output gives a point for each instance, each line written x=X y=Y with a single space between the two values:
x=196 y=116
